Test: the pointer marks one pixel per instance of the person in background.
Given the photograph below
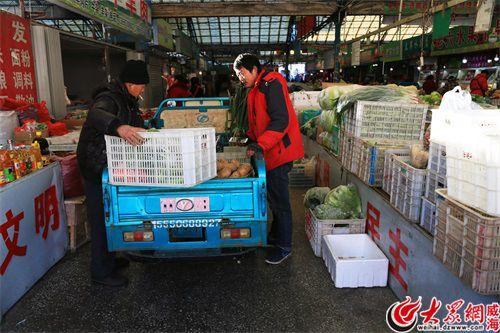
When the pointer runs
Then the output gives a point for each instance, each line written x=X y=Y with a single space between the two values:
x=196 y=88
x=274 y=132
x=479 y=84
x=429 y=85
x=451 y=82
x=169 y=79
x=179 y=88
x=114 y=111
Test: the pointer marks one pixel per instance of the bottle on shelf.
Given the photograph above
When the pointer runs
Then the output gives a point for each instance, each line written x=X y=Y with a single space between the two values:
x=43 y=143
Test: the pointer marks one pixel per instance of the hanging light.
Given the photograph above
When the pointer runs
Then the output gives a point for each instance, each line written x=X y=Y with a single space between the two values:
x=489 y=61
x=464 y=60
x=292 y=52
x=444 y=67
x=391 y=69
x=419 y=68
x=496 y=58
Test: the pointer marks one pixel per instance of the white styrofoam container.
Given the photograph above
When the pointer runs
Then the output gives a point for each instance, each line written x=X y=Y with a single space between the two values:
x=473 y=171
x=305 y=100
x=354 y=261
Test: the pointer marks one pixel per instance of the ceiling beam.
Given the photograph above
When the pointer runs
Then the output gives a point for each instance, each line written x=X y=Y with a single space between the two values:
x=235 y=48
x=233 y=8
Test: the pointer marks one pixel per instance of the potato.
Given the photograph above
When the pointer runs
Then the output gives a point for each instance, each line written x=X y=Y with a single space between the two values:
x=244 y=169
x=235 y=174
x=224 y=173
x=236 y=163
x=221 y=164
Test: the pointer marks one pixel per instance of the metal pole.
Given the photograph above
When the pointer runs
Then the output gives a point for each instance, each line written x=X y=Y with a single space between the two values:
x=287 y=63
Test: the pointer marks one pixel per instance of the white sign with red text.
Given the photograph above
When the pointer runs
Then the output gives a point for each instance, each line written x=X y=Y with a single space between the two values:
x=33 y=231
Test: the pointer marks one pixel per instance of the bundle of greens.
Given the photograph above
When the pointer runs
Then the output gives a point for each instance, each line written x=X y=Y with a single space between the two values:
x=239 y=121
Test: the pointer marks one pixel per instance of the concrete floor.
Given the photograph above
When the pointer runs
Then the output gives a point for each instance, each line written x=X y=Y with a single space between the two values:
x=223 y=294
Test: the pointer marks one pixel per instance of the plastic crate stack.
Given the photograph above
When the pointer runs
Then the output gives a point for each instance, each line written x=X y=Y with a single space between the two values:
x=436 y=179
x=373 y=129
x=407 y=187
x=468 y=243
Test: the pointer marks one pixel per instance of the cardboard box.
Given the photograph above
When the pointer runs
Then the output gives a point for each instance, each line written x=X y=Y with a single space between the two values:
x=73 y=124
x=78 y=227
x=27 y=137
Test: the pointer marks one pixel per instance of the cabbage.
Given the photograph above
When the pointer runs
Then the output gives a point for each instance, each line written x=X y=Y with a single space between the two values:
x=315 y=196
x=328 y=97
x=346 y=199
x=327 y=120
x=327 y=212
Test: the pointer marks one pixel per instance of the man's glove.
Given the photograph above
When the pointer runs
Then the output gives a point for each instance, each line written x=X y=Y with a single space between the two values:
x=254 y=149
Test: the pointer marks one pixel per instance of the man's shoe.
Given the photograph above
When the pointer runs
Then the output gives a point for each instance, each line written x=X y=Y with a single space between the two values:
x=113 y=280
x=277 y=256
x=121 y=263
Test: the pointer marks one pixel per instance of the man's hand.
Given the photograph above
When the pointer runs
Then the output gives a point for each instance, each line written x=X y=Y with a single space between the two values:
x=254 y=149
x=131 y=134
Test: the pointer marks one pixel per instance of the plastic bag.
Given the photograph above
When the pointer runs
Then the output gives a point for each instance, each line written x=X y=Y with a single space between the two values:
x=327 y=212
x=315 y=196
x=456 y=99
x=72 y=179
x=8 y=122
x=419 y=156
x=346 y=199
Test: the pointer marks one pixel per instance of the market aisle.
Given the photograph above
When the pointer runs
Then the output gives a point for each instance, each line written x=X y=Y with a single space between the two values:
x=226 y=294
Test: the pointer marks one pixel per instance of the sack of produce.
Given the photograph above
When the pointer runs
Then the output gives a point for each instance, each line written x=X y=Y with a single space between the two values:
x=418 y=156
x=346 y=199
x=315 y=196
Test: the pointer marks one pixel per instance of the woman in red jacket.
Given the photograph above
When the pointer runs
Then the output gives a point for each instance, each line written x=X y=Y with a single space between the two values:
x=479 y=84
x=179 y=88
x=274 y=132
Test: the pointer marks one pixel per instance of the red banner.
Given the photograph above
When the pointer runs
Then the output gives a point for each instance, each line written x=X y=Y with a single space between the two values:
x=305 y=25
x=17 y=70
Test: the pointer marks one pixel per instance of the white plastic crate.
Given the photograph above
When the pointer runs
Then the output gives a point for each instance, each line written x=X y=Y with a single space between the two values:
x=437 y=158
x=388 y=120
x=428 y=216
x=234 y=153
x=473 y=172
x=388 y=162
x=316 y=229
x=433 y=182
x=169 y=158
x=354 y=261
x=407 y=188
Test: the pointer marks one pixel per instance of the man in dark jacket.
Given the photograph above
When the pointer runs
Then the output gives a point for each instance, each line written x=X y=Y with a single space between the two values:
x=274 y=131
x=114 y=111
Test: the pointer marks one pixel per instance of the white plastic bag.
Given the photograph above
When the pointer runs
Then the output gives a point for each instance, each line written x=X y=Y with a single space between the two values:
x=8 y=122
x=456 y=99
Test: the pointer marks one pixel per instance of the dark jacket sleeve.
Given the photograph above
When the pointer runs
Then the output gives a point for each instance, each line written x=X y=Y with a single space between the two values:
x=278 y=114
x=103 y=116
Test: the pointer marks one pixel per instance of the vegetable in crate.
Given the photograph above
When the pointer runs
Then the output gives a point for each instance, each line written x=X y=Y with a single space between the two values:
x=419 y=156
x=327 y=212
x=346 y=199
x=224 y=173
x=315 y=196
x=327 y=120
x=389 y=93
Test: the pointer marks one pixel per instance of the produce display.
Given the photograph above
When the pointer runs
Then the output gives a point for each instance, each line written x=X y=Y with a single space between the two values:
x=239 y=120
x=329 y=97
x=343 y=202
x=233 y=169
x=433 y=98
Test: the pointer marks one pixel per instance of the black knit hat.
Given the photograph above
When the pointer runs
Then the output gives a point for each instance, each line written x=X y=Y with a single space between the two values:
x=135 y=71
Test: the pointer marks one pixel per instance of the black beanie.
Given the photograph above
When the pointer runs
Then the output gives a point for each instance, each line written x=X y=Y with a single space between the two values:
x=135 y=71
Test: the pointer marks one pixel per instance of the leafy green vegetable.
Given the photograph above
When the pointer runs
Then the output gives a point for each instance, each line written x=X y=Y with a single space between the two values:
x=315 y=196
x=346 y=199
x=327 y=212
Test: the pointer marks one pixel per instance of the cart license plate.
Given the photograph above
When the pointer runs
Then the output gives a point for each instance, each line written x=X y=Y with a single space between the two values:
x=194 y=223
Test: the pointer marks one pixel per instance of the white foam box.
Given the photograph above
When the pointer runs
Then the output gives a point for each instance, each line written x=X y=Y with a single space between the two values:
x=355 y=261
